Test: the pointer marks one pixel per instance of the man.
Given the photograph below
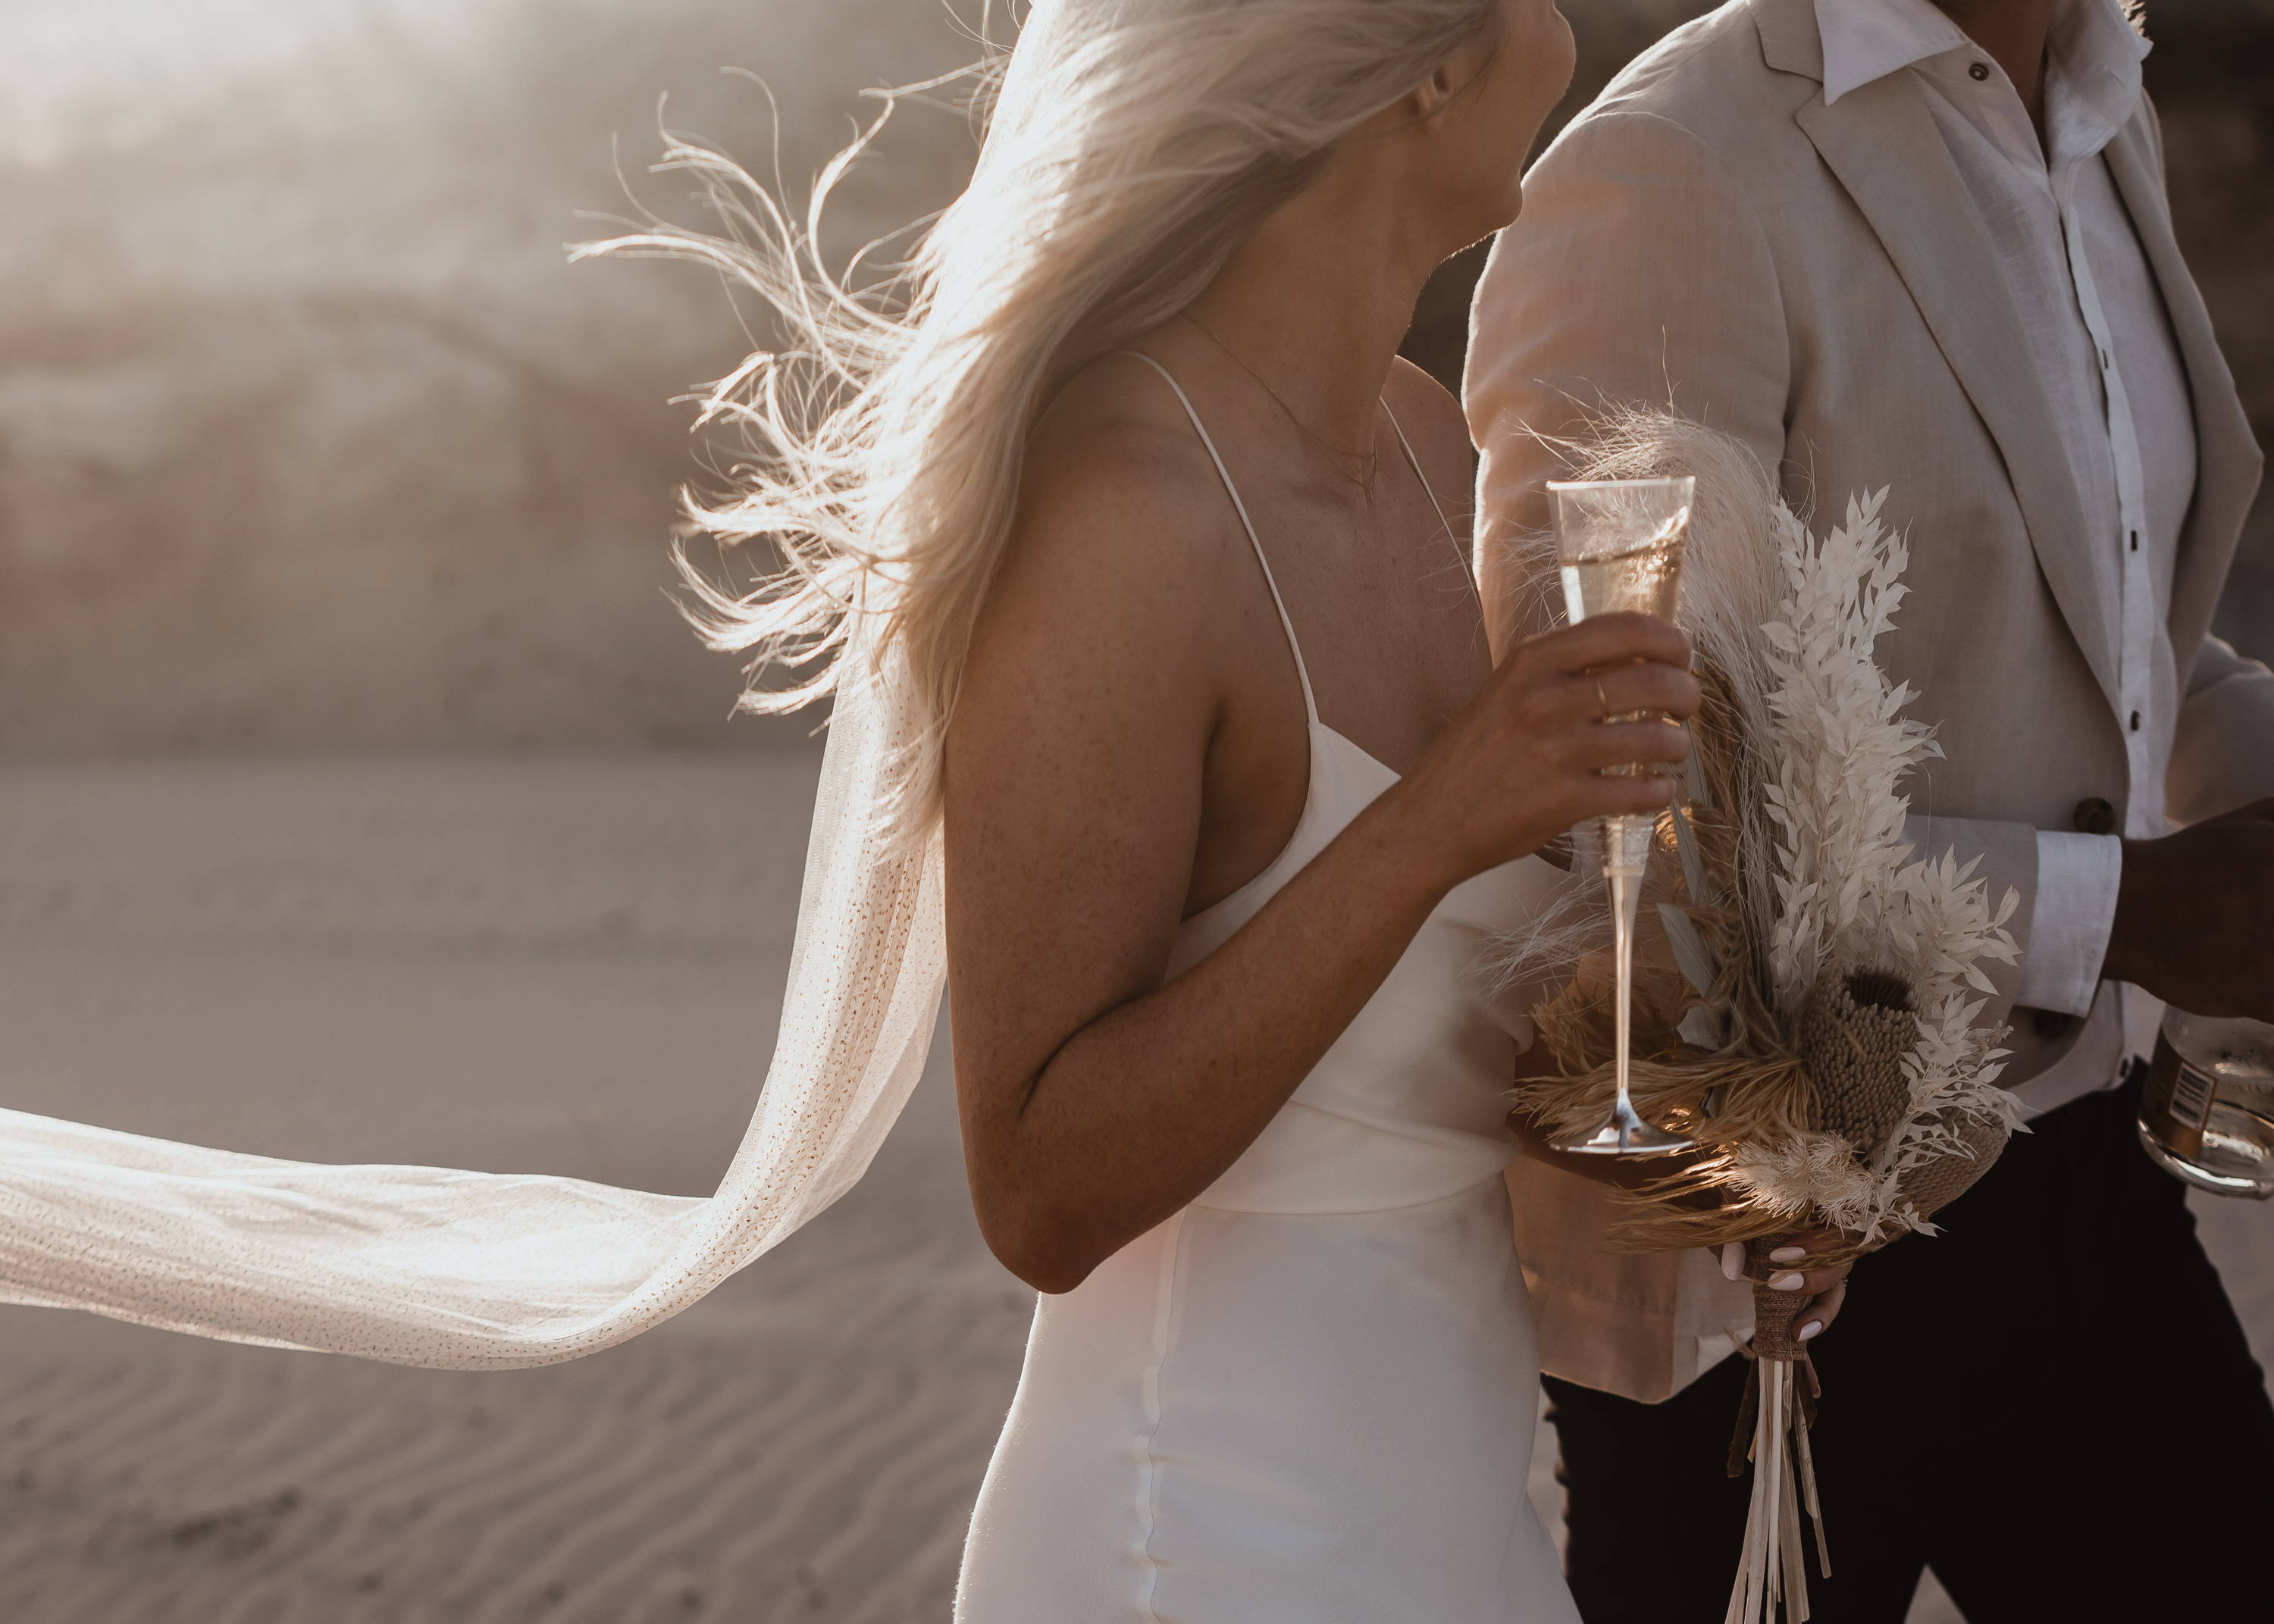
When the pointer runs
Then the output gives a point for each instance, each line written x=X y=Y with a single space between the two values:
x=1889 y=243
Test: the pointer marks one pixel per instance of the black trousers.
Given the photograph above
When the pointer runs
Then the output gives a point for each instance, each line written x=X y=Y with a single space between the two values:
x=2051 y=1403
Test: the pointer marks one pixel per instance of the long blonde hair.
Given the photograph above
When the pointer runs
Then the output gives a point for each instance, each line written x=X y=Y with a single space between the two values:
x=1130 y=146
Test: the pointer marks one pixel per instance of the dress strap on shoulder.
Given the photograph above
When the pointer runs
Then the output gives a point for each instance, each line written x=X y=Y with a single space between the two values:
x=1294 y=645
x=1415 y=463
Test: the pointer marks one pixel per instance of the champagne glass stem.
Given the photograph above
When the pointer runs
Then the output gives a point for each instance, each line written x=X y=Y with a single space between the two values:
x=1624 y=878
x=1625 y=843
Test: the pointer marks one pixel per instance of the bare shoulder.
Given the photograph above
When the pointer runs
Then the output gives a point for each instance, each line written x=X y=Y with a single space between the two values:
x=1116 y=446
x=1439 y=432
x=1118 y=546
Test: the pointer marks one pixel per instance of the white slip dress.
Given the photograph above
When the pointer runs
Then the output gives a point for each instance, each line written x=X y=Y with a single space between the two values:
x=1309 y=1397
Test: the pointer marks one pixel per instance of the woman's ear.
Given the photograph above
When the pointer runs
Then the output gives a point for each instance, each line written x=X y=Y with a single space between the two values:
x=1433 y=93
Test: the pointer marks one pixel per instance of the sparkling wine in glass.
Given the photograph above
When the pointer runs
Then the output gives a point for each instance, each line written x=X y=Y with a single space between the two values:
x=1618 y=548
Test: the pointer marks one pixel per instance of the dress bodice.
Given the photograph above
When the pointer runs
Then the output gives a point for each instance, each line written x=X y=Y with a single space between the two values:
x=1409 y=1104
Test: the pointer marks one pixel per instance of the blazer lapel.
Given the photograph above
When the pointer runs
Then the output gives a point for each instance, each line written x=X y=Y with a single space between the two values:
x=2227 y=458
x=1881 y=141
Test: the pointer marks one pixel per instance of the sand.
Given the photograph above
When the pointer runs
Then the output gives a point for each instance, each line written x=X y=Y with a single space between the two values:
x=566 y=964
x=570 y=963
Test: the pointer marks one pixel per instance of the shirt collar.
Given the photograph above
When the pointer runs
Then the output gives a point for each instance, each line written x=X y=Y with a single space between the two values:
x=2094 y=60
x=1867 y=40
x=2093 y=47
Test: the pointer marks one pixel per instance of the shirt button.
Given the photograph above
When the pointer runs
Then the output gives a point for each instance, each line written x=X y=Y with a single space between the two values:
x=1977 y=72
x=2094 y=816
x=2135 y=721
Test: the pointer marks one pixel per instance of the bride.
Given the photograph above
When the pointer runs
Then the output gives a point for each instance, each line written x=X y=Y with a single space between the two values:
x=1136 y=562
x=1233 y=802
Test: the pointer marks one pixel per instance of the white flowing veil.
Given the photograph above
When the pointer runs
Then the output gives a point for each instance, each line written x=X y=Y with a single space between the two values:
x=484 y=1271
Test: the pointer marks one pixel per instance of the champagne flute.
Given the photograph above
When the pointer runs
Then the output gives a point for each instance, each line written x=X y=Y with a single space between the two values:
x=1618 y=548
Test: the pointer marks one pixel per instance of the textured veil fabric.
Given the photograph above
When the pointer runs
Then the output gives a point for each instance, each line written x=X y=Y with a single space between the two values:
x=440 y=1268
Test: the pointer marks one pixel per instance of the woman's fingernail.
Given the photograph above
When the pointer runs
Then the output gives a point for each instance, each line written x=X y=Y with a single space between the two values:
x=1733 y=1261
x=1808 y=1330
x=1786 y=1283
x=1788 y=1254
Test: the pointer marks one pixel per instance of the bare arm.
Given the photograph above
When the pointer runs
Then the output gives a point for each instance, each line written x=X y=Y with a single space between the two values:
x=2194 y=910
x=1098 y=1097
x=2195 y=915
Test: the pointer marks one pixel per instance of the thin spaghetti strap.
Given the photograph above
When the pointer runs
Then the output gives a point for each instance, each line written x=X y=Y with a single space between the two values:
x=1294 y=643
x=1415 y=463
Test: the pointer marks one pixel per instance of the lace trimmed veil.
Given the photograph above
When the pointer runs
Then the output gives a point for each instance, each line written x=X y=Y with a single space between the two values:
x=486 y=1270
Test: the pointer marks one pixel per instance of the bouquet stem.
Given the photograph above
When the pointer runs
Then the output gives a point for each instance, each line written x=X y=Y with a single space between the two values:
x=1771 y=1575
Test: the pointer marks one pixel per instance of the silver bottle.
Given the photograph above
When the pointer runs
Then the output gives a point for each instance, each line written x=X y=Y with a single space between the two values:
x=2207 y=1109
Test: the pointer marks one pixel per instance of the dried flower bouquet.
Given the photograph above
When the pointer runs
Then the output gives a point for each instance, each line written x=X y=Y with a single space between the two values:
x=1813 y=1014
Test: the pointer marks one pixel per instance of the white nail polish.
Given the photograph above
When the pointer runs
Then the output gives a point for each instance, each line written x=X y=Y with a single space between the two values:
x=1733 y=1261
x=1786 y=1283
x=1808 y=1330
x=1788 y=1254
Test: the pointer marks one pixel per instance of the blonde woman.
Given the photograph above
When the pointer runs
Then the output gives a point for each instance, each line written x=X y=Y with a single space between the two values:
x=1232 y=803
x=1137 y=564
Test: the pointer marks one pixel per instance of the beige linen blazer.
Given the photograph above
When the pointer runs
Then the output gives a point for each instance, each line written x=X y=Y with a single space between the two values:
x=1816 y=280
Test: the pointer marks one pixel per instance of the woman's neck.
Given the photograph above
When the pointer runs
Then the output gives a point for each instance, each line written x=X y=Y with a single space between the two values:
x=1318 y=298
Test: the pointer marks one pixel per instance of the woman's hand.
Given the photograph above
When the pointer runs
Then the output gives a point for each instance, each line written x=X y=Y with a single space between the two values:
x=1827 y=1286
x=1525 y=759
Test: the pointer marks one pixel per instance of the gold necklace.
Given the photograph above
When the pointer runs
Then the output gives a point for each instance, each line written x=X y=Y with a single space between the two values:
x=1371 y=460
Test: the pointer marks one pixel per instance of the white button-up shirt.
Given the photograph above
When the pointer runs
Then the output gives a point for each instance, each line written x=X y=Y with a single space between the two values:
x=2096 y=324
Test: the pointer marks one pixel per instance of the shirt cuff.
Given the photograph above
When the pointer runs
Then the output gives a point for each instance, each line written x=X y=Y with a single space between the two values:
x=2076 y=909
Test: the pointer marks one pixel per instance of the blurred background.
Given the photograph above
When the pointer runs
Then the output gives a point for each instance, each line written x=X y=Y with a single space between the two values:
x=365 y=799
x=310 y=438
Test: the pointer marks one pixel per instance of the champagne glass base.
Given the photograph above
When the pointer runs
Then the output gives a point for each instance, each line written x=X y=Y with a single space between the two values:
x=1632 y=1137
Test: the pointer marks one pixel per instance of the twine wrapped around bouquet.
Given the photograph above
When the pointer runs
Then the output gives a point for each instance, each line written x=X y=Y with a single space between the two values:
x=1811 y=1014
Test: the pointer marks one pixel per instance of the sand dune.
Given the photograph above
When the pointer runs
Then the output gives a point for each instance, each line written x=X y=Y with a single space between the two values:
x=564 y=964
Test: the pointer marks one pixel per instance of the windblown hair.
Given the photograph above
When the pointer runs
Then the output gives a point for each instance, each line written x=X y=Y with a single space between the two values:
x=1130 y=146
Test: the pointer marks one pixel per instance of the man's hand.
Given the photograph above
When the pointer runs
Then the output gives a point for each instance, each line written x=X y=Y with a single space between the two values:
x=2195 y=915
